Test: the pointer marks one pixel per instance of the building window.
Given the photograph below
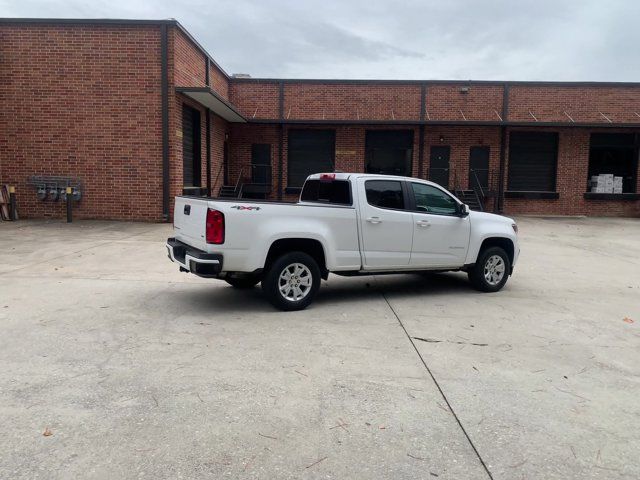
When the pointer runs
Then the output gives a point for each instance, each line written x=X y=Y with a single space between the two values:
x=389 y=152
x=533 y=159
x=613 y=163
x=190 y=147
x=310 y=151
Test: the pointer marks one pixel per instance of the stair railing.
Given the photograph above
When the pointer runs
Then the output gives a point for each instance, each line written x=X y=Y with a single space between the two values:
x=215 y=181
x=476 y=186
x=237 y=190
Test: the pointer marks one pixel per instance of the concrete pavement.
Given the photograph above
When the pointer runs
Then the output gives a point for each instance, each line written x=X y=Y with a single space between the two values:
x=140 y=371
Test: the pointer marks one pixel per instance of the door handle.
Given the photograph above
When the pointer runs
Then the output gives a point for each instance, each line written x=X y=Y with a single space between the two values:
x=374 y=220
x=423 y=223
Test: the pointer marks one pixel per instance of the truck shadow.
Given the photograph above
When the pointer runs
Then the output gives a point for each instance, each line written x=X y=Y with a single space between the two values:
x=204 y=299
x=405 y=285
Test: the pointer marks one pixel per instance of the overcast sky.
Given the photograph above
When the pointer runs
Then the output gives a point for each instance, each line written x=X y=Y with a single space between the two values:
x=407 y=39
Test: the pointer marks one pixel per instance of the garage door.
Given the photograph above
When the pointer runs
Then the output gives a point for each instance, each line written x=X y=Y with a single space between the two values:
x=532 y=161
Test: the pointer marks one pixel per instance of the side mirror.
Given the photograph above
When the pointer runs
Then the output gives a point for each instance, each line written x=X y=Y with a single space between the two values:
x=463 y=210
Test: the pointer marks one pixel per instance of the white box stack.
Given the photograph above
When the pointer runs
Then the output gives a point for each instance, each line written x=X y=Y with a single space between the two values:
x=606 y=183
x=617 y=184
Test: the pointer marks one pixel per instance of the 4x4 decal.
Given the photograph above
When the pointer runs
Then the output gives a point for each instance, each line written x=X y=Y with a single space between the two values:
x=243 y=207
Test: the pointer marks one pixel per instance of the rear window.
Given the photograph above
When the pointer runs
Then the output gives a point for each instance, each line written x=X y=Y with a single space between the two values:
x=335 y=191
x=385 y=194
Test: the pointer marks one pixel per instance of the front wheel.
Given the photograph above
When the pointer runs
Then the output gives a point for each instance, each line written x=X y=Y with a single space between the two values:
x=491 y=271
x=292 y=281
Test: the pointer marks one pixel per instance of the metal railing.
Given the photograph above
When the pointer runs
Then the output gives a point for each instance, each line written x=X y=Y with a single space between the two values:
x=261 y=174
x=239 y=184
x=476 y=184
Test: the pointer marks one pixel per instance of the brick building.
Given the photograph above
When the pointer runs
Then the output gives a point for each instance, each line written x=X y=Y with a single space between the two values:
x=138 y=112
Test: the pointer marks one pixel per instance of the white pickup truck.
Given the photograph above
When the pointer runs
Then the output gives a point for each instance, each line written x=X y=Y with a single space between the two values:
x=347 y=224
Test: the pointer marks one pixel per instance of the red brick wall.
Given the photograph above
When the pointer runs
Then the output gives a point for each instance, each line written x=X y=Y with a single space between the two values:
x=189 y=61
x=344 y=101
x=219 y=131
x=190 y=66
x=480 y=102
x=83 y=101
x=583 y=104
x=256 y=99
x=219 y=82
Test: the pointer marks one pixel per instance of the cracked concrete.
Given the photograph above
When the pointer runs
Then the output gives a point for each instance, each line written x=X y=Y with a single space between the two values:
x=139 y=371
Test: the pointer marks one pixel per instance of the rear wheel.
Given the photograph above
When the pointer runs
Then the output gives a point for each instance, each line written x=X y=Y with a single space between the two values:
x=491 y=271
x=292 y=281
x=243 y=282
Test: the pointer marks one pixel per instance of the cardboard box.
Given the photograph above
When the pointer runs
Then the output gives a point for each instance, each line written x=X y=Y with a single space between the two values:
x=617 y=189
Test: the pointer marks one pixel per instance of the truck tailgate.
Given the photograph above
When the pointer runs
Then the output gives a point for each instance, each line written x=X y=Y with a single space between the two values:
x=189 y=221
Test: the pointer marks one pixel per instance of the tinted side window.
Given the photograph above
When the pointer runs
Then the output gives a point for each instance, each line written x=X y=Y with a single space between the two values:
x=384 y=194
x=433 y=200
x=337 y=191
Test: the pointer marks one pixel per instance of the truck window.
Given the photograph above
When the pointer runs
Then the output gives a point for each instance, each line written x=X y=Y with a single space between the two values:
x=433 y=200
x=384 y=194
x=335 y=191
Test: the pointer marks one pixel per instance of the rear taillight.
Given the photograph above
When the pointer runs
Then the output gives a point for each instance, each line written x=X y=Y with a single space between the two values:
x=215 y=227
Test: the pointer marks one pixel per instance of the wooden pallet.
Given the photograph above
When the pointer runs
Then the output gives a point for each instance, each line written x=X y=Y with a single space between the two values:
x=5 y=207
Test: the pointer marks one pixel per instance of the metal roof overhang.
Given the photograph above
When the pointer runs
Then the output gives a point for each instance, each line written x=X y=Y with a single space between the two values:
x=214 y=102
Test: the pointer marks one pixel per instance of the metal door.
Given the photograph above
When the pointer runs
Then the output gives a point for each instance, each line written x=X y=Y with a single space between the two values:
x=439 y=165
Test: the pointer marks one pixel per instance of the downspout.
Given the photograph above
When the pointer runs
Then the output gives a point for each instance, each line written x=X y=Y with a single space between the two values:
x=280 y=139
x=499 y=204
x=164 y=89
x=423 y=109
x=208 y=148
x=207 y=128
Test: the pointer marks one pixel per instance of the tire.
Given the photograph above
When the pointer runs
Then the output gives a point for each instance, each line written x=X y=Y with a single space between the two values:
x=282 y=293
x=491 y=271
x=243 y=283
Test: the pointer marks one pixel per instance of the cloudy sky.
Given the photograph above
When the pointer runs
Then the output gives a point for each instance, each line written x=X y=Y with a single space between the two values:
x=408 y=39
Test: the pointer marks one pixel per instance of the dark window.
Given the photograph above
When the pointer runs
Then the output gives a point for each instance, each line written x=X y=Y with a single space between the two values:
x=433 y=200
x=384 y=194
x=615 y=154
x=338 y=191
x=532 y=161
x=190 y=146
x=389 y=152
x=310 y=151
